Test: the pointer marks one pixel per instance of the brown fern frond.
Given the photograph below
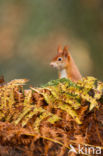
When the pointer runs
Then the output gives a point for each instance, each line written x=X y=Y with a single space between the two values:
x=48 y=119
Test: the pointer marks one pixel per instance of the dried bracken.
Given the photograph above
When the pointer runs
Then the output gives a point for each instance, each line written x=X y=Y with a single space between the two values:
x=49 y=119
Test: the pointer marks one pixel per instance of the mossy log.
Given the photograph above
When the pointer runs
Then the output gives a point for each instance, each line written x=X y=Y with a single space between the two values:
x=49 y=119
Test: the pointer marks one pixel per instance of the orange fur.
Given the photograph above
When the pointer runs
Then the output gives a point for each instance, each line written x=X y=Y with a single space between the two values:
x=65 y=64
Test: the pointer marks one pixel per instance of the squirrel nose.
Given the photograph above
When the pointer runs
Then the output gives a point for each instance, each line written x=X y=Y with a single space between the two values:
x=52 y=64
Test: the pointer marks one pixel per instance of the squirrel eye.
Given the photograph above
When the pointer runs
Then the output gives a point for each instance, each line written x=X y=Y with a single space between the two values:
x=59 y=59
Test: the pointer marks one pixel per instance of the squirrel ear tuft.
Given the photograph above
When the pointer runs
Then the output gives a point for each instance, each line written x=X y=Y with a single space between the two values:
x=65 y=51
x=59 y=49
x=65 y=48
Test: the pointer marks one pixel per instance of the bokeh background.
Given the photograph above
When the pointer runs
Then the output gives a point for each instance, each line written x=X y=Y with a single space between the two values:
x=30 y=31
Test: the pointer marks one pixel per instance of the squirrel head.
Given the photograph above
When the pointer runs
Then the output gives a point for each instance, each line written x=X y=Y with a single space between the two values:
x=62 y=58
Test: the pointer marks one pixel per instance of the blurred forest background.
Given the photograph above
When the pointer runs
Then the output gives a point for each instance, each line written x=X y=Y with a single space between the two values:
x=30 y=31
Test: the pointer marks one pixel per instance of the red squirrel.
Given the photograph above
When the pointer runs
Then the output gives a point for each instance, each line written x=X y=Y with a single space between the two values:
x=65 y=64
